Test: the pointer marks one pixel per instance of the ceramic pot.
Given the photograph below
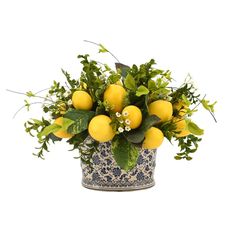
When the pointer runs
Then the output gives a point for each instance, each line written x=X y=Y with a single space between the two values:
x=106 y=175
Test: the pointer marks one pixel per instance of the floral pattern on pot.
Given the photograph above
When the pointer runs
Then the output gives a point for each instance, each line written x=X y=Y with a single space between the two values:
x=105 y=174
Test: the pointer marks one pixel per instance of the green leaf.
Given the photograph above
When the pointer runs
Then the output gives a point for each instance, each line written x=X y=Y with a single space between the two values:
x=130 y=82
x=137 y=136
x=125 y=153
x=48 y=130
x=194 y=129
x=30 y=94
x=102 y=49
x=124 y=68
x=142 y=90
x=152 y=85
x=81 y=120
x=206 y=104
x=67 y=123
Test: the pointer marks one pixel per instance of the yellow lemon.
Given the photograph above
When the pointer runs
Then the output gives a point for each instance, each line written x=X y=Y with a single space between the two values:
x=181 y=127
x=180 y=107
x=114 y=96
x=61 y=133
x=82 y=100
x=153 y=138
x=100 y=129
x=161 y=108
x=134 y=115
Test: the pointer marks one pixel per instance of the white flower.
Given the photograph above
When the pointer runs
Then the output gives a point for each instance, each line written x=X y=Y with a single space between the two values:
x=127 y=121
x=127 y=128
x=120 y=129
x=125 y=113
x=69 y=102
x=118 y=114
x=121 y=121
x=66 y=93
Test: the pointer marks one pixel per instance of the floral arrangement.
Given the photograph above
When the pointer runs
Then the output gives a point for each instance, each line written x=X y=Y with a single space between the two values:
x=131 y=107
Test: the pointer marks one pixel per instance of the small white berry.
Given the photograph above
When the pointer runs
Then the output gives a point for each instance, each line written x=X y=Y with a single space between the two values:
x=118 y=114
x=121 y=130
x=69 y=102
x=127 y=121
x=127 y=128
x=125 y=113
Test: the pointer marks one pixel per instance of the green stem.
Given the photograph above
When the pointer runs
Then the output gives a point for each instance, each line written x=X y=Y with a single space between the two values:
x=87 y=41
x=46 y=99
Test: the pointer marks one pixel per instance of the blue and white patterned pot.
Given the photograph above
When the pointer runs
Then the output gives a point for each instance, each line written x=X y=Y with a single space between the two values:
x=106 y=175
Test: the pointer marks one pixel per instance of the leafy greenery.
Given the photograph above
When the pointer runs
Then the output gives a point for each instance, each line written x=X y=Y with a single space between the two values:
x=35 y=127
x=206 y=104
x=188 y=145
x=144 y=84
x=125 y=153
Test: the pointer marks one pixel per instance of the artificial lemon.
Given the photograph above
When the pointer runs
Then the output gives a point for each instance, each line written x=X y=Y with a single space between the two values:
x=61 y=133
x=100 y=129
x=161 y=108
x=181 y=127
x=153 y=138
x=114 y=95
x=134 y=115
x=82 y=100
x=180 y=107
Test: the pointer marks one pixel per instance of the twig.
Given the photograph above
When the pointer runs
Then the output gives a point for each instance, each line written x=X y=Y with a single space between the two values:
x=33 y=103
x=87 y=41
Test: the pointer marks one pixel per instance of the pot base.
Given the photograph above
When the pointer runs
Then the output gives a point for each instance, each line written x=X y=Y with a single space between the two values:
x=118 y=189
x=104 y=174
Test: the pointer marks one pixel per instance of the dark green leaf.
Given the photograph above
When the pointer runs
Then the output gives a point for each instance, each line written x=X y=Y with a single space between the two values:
x=124 y=68
x=81 y=120
x=137 y=136
x=125 y=153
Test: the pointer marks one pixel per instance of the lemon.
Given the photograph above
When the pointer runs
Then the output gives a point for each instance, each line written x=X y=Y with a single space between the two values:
x=134 y=115
x=61 y=133
x=82 y=100
x=153 y=138
x=100 y=129
x=114 y=95
x=180 y=107
x=181 y=127
x=161 y=108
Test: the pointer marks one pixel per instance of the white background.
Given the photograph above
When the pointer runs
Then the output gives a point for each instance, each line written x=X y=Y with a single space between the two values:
x=45 y=197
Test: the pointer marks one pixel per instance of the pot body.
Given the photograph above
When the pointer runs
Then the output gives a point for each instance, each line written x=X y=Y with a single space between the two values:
x=106 y=175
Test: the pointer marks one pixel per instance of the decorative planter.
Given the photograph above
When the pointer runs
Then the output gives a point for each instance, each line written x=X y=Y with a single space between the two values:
x=104 y=174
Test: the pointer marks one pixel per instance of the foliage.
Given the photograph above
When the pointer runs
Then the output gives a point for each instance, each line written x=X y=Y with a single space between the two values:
x=125 y=153
x=143 y=84
x=188 y=145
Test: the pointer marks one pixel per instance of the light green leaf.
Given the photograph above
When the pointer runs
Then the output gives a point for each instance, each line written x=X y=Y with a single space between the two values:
x=67 y=123
x=206 y=104
x=81 y=120
x=130 y=82
x=48 y=130
x=186 y=101
x=125 y=153
x=102 y=49
x=152 y=85
x=30 y=94
x=194 y=129
x=142 y=90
